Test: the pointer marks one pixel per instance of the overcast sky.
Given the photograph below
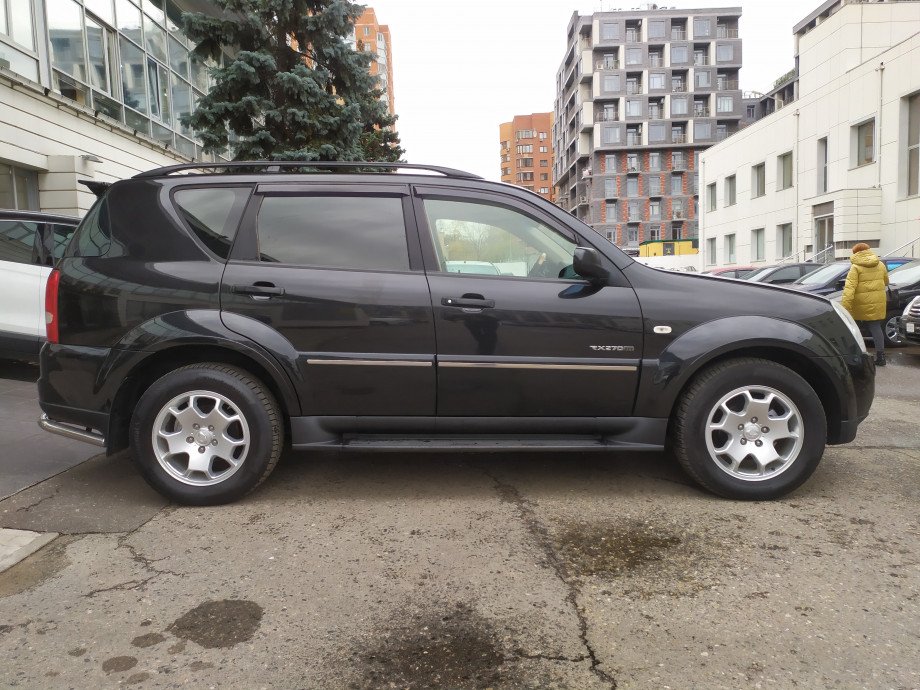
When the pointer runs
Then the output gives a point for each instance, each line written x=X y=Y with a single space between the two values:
x=462 y=67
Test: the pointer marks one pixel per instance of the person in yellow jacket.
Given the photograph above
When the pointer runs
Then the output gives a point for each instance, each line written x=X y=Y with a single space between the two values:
x=864 y=295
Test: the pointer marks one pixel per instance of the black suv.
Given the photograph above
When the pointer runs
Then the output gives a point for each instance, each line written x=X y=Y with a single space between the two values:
x=207 y=319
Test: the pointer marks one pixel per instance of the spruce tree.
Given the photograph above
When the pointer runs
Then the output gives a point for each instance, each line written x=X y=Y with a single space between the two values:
x=292 y=88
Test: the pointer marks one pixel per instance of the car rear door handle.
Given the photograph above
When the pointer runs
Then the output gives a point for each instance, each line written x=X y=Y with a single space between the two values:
x=257 y=290
x=468 y=302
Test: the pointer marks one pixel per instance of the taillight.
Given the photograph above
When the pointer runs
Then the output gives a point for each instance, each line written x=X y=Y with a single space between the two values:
x=51 y=306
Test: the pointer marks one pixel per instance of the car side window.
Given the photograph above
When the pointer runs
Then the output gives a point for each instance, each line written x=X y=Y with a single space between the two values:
x=357 y=232
x=486 y=239
x=17 y=241
x=93 y=236
x=786 y=274
x=213 y=214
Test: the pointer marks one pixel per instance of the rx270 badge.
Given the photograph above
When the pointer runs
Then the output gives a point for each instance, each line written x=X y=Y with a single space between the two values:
x=613 y=348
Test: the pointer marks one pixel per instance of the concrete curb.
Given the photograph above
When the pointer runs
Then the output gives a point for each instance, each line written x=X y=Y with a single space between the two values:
x=17 y=544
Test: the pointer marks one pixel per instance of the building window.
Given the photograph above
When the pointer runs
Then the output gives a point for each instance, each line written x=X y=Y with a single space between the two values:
x=611 y=209
x=711 y=197
x=678 y=210
x=758 y=180
x=725 y=52
x=16 y=22
x=610 y=134
x=610 y=61
x=654 y=161
x=633 y=107
x=654 y=210
x=610 y=31
x=525 y=148
x=632 y=185
x=525 y=134
x=730 y=248
x=506 y=171
x=725 y=104
x=913 y=145
x=656 y=29
x=544 y=163
x=544 y=190
x=703 y=78
x=677 y=184
x=656 y=81
x=784 y=240
x=657 y=132
x=654 y=185
x=751 y=112
x=711 y=251
x=757 y=245
x=610 y=187
x=822 y=165
x=18 y=188
x=610 y=162
x=635 y=210
x=730 y=190
x=679 y=106
x=544 y=149
x=544 y=177
x=702 y=28
x=610 y=83
x=632 y=162
x=542 y=136
x=632 y=233
x=784 y=171
x=633 y=56
x=525 y=177
x=680 y=55
x=525 y=162
x=702 y=131
x=865 y=142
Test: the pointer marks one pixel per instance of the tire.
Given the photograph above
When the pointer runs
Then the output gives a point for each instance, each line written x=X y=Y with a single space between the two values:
x=234 y=448
x=890 y=327
x=711 y=456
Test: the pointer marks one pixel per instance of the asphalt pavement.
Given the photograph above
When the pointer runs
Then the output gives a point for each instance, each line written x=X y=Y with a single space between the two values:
x=502 y=571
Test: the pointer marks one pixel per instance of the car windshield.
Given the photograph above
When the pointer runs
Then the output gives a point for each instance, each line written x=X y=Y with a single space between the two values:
x=759 y=274
x=824 y=275
x=906 y=274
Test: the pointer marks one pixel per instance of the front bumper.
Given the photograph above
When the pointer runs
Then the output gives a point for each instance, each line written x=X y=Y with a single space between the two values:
x=909 y=336
x=855 y=410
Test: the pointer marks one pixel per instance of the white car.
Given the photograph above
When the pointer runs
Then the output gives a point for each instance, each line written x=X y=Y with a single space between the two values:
x=30 y=243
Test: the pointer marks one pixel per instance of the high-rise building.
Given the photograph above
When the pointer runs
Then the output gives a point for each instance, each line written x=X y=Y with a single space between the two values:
x=370 y=35
x=638 y=95
x=527 y=153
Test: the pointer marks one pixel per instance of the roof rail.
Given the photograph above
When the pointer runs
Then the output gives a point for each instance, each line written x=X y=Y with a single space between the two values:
x=276 y=166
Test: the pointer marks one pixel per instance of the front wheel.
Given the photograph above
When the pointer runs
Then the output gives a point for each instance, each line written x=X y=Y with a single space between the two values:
x=206 y=434
x=749 y=429
x=892 y=334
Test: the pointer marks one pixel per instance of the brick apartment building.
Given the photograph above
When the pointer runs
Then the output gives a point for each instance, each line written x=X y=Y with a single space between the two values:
x=527 y=153
x=373 y=36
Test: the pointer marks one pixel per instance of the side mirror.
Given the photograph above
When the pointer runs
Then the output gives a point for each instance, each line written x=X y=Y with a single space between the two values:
x=588 y=264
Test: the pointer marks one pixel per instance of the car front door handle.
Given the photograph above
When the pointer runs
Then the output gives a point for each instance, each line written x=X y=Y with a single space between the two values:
x=260 y=291
x=468 y=302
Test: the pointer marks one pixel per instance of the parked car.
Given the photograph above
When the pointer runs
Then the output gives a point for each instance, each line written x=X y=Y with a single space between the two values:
x=485 y=268
x=209 y=318
x=904 y=286
x=831 y=277
x=910 y=321
x=733 y=272
x=782 y=274
x=30 y=243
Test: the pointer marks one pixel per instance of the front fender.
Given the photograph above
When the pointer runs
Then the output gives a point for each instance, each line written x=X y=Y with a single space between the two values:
x=662 y=379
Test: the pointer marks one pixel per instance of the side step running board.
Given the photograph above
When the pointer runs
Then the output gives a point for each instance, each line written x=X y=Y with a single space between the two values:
x=498 y=445
x=70 y=431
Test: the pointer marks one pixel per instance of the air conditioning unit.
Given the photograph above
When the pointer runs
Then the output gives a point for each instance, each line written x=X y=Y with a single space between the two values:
x=678 y=213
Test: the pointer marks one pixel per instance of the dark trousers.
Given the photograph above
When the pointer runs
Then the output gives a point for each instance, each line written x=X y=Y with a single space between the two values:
x=877 y=333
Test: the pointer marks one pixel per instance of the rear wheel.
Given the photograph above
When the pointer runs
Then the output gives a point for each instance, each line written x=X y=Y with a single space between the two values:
x=892 y=336
x=206 y=434
x=749 y=429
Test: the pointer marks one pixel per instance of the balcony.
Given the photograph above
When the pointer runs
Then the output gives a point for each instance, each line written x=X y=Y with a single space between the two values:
x=727 y=84
x=678 y=87
x=633 y=36
x=678 y=34
x=607 y=64
x=632 y=88
x=677 y=138
x=655 y=60
x=700 y=60
x=608 y=116
x=726 y=32
x=701 y=111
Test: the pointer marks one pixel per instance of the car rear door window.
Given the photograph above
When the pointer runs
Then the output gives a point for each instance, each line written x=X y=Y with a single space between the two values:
x=213 y=214
x=787 y=274
x=358 y=232
x=17 y=241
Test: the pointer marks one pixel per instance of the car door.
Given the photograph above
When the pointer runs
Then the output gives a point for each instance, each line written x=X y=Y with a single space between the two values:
x=21 y=296
x=336 y=272
x=525 y=342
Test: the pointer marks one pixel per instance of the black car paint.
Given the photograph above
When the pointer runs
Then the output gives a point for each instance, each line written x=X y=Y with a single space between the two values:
x=151 y=305
x=835 y=283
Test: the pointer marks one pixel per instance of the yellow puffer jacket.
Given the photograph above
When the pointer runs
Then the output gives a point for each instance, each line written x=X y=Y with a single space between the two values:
x=864 y=293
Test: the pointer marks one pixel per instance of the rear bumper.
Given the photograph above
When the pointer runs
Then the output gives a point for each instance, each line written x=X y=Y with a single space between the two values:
x=72 y=389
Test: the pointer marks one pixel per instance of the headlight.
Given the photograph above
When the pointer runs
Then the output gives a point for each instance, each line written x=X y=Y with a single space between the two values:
x=914 y=302
x=847 y=319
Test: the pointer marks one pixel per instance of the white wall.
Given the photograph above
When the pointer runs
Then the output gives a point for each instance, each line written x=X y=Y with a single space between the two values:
x=840 y=85
x=49 y=134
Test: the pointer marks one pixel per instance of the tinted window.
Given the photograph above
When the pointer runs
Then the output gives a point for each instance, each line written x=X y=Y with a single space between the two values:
x=825 y=274
x=786 y=274
x=213 y=214
x=17 y=240
x=363 y=232
x=515 y=244
x=53 y=240
x=94 y=236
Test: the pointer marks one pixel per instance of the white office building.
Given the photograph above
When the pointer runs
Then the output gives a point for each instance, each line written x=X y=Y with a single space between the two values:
x=91 y=89
x=839 y=165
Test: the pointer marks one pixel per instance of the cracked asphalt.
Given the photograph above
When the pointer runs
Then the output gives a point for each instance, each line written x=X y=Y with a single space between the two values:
x=487 y=571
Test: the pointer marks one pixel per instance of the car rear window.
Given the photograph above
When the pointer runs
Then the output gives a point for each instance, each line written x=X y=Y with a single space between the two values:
x=213 y=214
x=94 y=235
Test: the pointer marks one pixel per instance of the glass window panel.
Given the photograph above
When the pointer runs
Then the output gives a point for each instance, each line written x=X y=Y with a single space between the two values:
x=366 y=233
x=656 y=132
x=178 y=58
x=656 y=29
x=610 y=135
x=155 y=9
x=97 y=48
x=182 y=103
x=703 y=78
x=156 y=39
x=129 y=21
x=679 y=55
x=4 y=29
x=677 y=185
x=632 y=186
x=107 y=105
x=21 y=22
x=213 y=214
x=199 y=72
x=654 y=161
x=633 y=56
x=174 y=22
x=17 y=241
x=656 y=80
x=6 y=187
x=70 y=88
x=913 y=134
x=654 y=185
x=702 y=27
x=102 y=9
x=610 y=31
x=610 y=187
x=702 y=130
x=679 y=106
x=133 y=77
x=136 y=121
x=611 y=82
x=65 y=34
x=725 y=52
x=913 y=170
